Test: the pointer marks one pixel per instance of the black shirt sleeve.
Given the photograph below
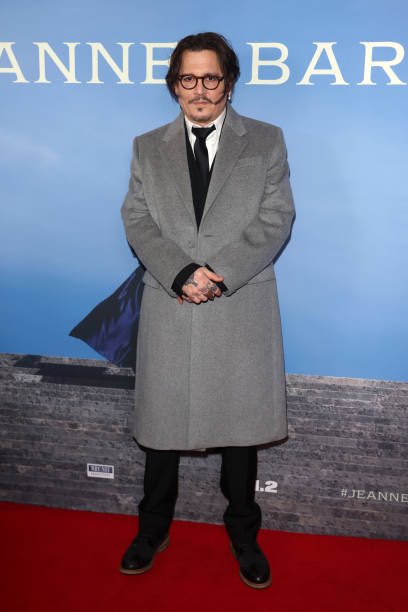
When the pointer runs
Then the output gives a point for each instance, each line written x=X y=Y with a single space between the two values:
x=182 y=276
x=220 y=283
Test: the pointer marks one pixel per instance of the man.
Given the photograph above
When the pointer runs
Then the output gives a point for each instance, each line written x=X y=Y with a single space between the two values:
x=208 y=210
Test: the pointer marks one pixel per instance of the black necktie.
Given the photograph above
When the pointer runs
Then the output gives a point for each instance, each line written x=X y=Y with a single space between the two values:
x=201 y=153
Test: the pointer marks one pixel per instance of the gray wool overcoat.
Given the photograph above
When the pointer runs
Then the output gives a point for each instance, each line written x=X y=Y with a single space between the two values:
x=210 y=374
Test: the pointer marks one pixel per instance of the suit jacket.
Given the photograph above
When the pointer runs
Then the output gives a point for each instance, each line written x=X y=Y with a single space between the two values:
x=210 y=374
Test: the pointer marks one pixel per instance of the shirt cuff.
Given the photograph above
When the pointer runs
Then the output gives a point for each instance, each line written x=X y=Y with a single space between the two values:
x=182 y=276
x=220 y=283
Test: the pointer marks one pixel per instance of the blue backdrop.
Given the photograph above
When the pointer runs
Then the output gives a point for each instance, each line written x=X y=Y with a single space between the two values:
x=65 y=152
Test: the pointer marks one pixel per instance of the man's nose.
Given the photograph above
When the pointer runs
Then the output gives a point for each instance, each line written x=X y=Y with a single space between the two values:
x=200 y=87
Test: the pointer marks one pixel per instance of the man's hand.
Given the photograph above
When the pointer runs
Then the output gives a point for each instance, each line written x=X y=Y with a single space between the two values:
x=201 y=287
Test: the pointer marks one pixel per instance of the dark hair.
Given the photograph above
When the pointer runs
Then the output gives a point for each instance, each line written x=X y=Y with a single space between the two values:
x=205 y=41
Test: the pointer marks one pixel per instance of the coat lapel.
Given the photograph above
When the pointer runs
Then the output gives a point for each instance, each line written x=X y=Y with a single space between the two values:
x=174 y=153
x=232 y=142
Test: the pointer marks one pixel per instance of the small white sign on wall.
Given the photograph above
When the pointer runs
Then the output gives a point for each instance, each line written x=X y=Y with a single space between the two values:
x=96 y=470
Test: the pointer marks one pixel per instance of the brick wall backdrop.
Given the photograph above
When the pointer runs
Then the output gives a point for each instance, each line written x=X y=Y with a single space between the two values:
x=343 y=470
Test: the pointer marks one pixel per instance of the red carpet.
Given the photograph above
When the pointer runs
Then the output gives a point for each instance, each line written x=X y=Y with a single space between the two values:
x=67 y=561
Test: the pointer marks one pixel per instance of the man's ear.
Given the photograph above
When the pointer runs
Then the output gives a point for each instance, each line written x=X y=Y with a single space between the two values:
x=176 y=89
x=228 y=91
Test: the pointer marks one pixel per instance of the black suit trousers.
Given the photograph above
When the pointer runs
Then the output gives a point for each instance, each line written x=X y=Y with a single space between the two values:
x=242 y=517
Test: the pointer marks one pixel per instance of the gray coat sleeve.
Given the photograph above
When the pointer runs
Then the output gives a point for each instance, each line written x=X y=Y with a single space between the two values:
x=162 y=257
x=265 y=235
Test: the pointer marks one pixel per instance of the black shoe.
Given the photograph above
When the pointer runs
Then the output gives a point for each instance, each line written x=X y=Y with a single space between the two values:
x=140 y=555
x=253 y=565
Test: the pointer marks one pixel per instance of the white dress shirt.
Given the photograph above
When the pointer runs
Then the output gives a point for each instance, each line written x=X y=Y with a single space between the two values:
x=212 y=139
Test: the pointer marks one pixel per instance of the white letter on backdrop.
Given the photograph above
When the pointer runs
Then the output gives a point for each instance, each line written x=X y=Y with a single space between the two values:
x=279 y=63
x=14 y=67
x=326 y=47
x=69 y=73
x=150 y=62
x=121 y=73
x=369 y=63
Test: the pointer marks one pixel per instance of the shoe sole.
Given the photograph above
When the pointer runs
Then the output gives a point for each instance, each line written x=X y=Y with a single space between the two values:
x=146 y=568
x=254 y=585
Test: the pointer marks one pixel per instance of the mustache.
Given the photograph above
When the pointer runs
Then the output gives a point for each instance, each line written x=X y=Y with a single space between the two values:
x=199 y=99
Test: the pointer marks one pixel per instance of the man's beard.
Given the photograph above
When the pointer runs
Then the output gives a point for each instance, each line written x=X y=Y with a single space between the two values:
x=205 y=113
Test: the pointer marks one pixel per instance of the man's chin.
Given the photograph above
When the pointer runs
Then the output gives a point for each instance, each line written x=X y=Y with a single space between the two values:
x=201 y=117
